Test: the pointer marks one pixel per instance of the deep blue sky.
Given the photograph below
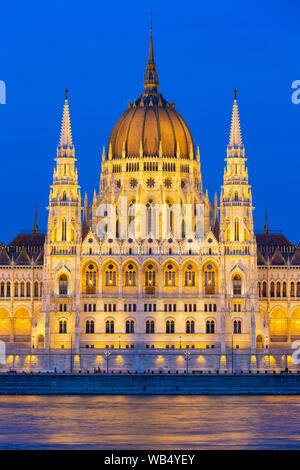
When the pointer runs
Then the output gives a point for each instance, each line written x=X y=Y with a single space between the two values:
x=203 y=49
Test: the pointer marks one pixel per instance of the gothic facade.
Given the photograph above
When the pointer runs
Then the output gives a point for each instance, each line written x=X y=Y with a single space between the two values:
x=150 y=267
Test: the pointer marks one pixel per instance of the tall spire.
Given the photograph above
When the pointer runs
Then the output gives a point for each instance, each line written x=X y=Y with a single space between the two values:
x=235 y=146
x=36 y=228
x=266 y=228
x=151 y=77
x=65 y=147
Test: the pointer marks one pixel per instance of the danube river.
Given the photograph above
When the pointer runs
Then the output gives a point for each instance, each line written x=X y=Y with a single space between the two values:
x=150 y=422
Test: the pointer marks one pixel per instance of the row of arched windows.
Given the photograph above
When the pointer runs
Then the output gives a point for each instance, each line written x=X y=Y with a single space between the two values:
x=210 y=326
x=278 y=289
x=21 y=289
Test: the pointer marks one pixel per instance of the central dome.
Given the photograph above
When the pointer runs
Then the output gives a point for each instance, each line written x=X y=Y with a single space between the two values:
x=151 y=126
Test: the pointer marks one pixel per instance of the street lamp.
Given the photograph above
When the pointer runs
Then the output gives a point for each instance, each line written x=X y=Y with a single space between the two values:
x=180 y=339
x=33 y=342
x=187 y=355
x=107 y=357
x=119 y=342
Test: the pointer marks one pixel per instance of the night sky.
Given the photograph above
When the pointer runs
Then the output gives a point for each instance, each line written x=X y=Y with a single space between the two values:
x=203 y=50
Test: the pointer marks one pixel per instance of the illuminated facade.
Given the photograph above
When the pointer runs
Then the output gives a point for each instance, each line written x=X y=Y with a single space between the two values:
x=150 y=283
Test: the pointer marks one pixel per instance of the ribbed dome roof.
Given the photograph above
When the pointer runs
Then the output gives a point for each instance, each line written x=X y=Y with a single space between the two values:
x=150 y=126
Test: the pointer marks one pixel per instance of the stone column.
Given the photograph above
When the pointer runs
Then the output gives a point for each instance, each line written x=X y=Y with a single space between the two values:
x=11 y=333
x=120 y=282
x=140 y=281
x=179 y=281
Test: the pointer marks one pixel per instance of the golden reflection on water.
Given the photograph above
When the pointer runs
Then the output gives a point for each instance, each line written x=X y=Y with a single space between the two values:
x=149 y=422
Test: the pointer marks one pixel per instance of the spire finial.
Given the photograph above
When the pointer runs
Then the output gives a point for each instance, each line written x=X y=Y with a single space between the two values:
x=266 y=228
x=235 y=93
x=151 y=77
x=66 y=94
x=36 y=228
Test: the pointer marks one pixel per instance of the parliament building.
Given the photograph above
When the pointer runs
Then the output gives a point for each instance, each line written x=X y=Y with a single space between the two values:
x=151 y=274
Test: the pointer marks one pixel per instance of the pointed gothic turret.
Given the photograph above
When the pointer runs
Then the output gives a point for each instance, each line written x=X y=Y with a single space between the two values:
x=235 y=147
x=65 y=218
x=151 y=76
x=36 y=228
x=266 y=227
x=236 y=199
x=65 y=147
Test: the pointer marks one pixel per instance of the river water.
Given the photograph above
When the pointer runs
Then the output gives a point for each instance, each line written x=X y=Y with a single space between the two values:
x=150 y=422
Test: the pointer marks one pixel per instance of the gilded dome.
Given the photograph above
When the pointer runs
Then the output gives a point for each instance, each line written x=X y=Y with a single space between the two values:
x=151 y=126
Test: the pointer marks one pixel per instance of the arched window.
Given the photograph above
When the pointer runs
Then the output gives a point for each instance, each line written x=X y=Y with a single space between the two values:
x=2 y=290
x=170 y=326
x=278 y=289
x=63 y=326
x=111 y=275
x=130 y=275
x=264 y=289
x=90 y=326
x=237 y=284
x=237 y=326
x=236 y=196
x=210 y=279
x=150 y=276
x=91 y=279
x=272 y=289
x=28 y=289
x=292 y=291
x=109 y=326
x=150 y=326
x=190 y=326
x=16 y=289
x=210 y=327
x=22 y=289
x=236 y=229
x=129 y=326
x=298 y=289
x=36 y=289
x=189 y=276
x=8 y=289
x=259 y=288
x=170 y=276
x=64 y=196
x=284 y=289
x=63 y=285
x=64 y=230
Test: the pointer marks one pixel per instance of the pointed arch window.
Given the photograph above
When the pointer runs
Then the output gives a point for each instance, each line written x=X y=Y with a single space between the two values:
x=2 y=289
x=150 y=326
x=237 y=327
x=62 y=327
x=272 y=289
x=63 y=285
x=292 y=290
x=278 y=289
x=237 y=284
x=210 y=279
x=64 y=230
x=111 y=276
x=64 y=198
x=264 y=289
x=150 y=276
x=109 y=326
x=130 y=275
x=210 y=327
x=170 y=276
x=8 y=286
x=28 y=289
x=129 y=326
x=91 y=279
x=170 y=326
x=190 y=326
x=90 y=326
x=189 y=276
x=236 y=229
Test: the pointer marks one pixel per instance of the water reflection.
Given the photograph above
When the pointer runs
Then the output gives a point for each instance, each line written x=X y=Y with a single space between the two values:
x=149 y=422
